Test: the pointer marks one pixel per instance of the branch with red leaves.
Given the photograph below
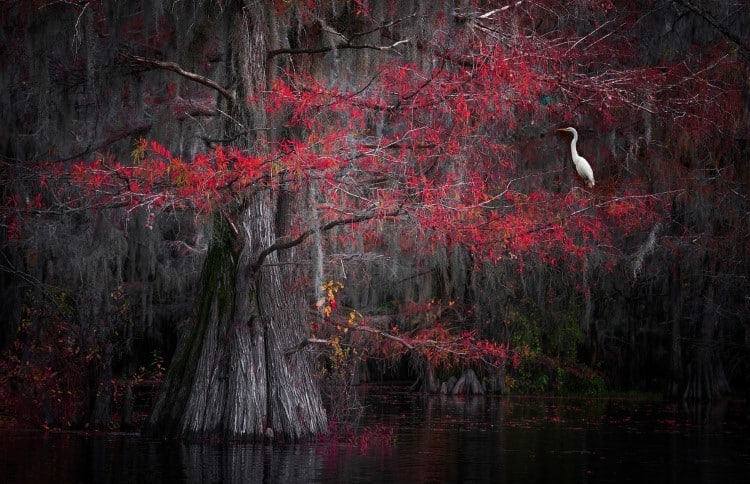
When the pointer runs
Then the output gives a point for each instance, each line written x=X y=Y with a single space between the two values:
x=435 y=343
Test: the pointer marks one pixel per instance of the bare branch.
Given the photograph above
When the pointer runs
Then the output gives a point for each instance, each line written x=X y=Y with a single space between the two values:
x=174 y=67
x=287 y=244
x=306 y=342
x=709 y=17
x=343 y=45
x=384 y=334
x=462 y=16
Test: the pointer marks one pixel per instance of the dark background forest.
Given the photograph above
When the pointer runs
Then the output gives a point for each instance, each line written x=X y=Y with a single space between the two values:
x=644 y=290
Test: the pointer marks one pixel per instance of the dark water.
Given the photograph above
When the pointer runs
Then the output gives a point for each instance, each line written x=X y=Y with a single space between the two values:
x=435 y=439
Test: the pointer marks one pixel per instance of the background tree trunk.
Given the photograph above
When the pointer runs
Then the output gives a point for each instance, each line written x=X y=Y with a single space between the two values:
x=675 y=361
x=706 y=378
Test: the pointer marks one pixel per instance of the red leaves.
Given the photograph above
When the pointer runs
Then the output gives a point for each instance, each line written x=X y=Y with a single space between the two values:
x=431 y=144
x=446 y=349
x=435 y=143
x=157 y=150
x=159 y=180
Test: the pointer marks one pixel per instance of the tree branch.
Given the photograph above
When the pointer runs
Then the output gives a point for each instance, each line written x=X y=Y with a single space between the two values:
x=287 y=244
x=709 y=17
x=464 y=16
x=343 y=45
x=384 y=334
x=174 y=67
x=306 y=342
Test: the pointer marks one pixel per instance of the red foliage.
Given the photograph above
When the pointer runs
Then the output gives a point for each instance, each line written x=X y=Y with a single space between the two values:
x=41 y=377
x=444 y=163
x=444 y=160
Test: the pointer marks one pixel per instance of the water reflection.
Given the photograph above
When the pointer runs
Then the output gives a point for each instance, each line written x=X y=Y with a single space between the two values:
x=249 y=463
x=437 y=439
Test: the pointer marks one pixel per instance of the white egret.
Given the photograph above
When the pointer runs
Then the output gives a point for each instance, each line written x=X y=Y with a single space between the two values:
x=582 y=166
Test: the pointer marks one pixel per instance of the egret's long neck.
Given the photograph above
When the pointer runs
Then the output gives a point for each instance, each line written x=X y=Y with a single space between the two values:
x=573 y=150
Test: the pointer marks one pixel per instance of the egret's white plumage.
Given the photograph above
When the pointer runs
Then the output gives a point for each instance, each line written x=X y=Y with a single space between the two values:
x=582 y=166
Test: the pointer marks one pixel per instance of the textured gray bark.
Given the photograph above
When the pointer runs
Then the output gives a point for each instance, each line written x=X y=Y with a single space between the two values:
x=232 y=377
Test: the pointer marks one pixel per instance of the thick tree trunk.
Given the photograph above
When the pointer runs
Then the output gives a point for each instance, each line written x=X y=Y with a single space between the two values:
x=231 y=377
